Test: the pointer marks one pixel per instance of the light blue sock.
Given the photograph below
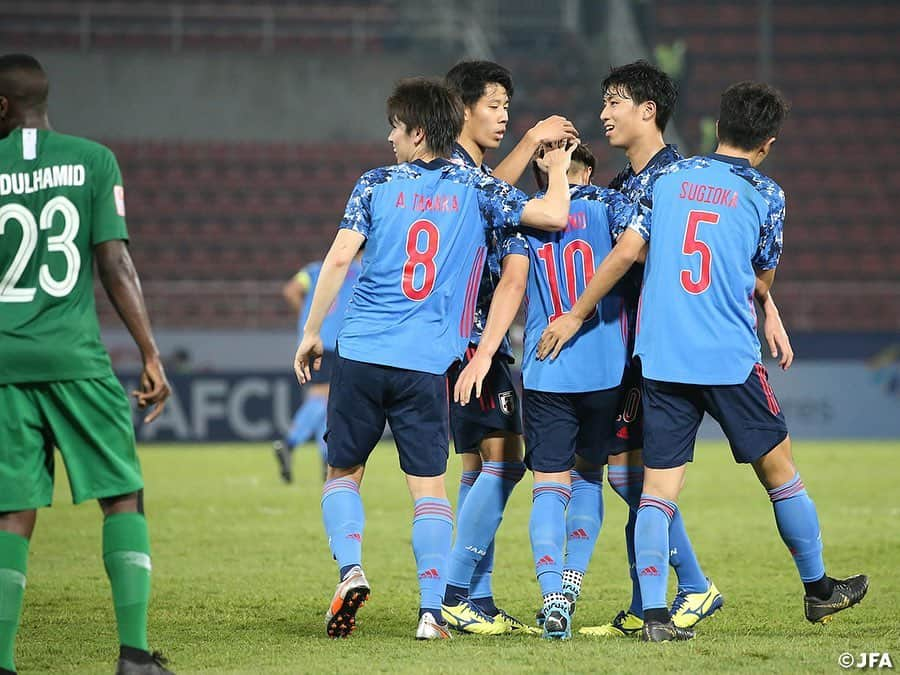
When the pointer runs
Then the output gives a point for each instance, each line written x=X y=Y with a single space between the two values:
x=683 y=560
x=547 y=528
x=342 y=513
x=308 y=419
x=584 y=518
x=432 y=533
x=477 y=524
x=466 y=481
x=651 y=544
x=798 y=525
x=628 y=483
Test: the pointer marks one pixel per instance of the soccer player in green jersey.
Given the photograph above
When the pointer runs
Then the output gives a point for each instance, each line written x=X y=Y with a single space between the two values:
x=62 y=207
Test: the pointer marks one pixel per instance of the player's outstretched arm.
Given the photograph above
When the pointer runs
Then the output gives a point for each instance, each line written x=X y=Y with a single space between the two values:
x=120 y=279
x=551 y=212
x=613 y=268
x=331 y=277
x=551 y=130
x=776 y=336
x=504 y=307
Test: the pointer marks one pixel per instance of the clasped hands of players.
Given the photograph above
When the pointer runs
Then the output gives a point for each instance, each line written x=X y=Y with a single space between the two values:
x=310 y=350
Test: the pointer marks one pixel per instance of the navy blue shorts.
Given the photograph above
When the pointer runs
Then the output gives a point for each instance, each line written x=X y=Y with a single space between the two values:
x=630 y=418
x=323 y=374
x=364 y=395
x=748 y=413
x=496 y=410
x=557 y=426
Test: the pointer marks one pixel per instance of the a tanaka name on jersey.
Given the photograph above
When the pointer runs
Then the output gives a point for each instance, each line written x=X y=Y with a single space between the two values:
x=708 y=194
x=60 y=175
x=443 y=203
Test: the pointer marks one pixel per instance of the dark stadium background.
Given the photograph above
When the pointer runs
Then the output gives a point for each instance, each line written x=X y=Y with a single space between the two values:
x=241 y=128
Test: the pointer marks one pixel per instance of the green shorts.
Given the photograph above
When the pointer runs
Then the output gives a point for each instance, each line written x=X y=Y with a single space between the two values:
x=88 y=420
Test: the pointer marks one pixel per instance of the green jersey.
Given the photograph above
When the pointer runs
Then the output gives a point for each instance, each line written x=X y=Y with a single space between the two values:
x=59 y=197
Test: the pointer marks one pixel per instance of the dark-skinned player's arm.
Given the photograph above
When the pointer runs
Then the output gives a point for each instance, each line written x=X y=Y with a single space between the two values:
x=331 y=277
x=551 y=130
x=614 y=266
x=550 y=213
x=776 y=336
x=504 y=307
x=123 y=287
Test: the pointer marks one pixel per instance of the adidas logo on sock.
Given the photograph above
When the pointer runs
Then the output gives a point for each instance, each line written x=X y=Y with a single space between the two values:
x=649 y=572
x=579 y=534
x=355 y=535
x=546 y=560
x=430 y=574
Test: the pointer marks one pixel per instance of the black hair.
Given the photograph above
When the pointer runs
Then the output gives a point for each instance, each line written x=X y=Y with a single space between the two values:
x=750 y=114
x=583 y=155
x=22 y=78
x=469 y=79
x=422 y=103
x=642 y=82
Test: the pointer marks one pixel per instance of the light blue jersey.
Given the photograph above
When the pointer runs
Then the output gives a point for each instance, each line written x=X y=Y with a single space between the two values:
x=413 y=306
x=308 y=277
x=561 y=265
x=492 y=266
x=711 y=222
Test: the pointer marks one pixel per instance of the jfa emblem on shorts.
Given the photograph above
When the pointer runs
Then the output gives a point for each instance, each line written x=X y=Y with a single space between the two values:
x=507 y=402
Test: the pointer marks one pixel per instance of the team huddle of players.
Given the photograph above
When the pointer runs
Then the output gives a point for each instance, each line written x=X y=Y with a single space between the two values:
x=611 y=375
x=610 y=369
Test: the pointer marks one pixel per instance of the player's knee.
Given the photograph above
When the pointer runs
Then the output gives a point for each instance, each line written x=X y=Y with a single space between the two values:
x=582 y=465
x=501 y=447
x=352 y=472
x=776 y=467
x=664 y=483
x=132 y=502
x=471 y=462
x=19 y=522
x=426 y=486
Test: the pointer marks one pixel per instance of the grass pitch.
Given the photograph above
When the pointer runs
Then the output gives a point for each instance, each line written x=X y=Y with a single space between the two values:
x=242 y=573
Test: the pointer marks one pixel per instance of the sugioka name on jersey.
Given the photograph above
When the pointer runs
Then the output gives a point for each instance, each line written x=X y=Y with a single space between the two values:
x=61 y=175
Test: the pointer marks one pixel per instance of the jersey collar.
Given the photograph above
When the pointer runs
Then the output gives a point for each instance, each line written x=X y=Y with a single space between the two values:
x=737 y=161
x=434 y=164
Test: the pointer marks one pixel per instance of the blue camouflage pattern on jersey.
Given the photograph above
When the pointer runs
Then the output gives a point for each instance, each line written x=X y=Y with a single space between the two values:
x=620 y=210
x=492 y=265
x=635 y=186
x=768 y=250
x=500 y=203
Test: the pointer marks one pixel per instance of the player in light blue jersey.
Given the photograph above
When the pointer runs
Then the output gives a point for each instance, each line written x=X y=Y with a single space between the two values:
x=568 y=408
x=487 y=431
x=309 y=420
x=638 y=101
x=716 y=225
x=423 y=222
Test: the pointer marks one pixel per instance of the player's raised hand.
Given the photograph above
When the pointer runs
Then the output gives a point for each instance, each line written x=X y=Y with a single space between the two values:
x=561 y=155
x=154 y=389
x=556 y=335
x=308 y=353
x=779 y=342
x=554 y=128
x=471 y=376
